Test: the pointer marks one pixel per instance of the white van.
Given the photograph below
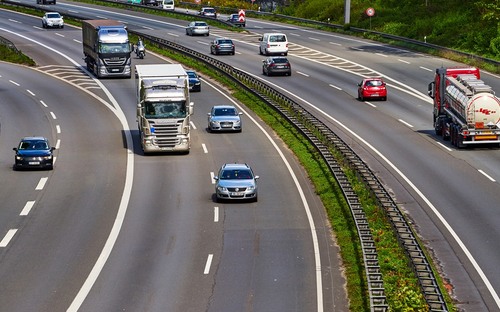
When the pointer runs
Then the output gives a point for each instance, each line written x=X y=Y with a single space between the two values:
x=273 y=43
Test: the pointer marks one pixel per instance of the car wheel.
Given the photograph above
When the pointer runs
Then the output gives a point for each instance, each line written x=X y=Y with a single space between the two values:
x=263 y=71
x=286 y=53
x=260 y=51
x=384 y=98
x=360 y=97
x=289 y=73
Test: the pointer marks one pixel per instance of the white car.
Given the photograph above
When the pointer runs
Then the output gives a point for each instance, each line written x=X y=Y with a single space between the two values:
x=208 y=12
x=52 y=19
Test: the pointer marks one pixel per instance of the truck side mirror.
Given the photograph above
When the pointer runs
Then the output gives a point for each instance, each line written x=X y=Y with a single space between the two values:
x=430 y=89
x=191 y=108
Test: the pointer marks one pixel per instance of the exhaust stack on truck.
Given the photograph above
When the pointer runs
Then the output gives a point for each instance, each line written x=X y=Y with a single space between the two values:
x=106 y=48
x=466 y=110
x=164 y=108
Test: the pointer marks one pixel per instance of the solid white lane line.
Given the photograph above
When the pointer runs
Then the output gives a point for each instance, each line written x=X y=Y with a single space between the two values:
x=212 y=175
x=405 y=123
x=484 y=173
x=10 y=234
x=41 y=184
x=216 y=214
x=27 y=208
x=208 y=264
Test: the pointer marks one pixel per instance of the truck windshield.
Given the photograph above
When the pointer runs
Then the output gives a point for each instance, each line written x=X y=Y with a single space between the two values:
x=165 y=109
x=114 y=48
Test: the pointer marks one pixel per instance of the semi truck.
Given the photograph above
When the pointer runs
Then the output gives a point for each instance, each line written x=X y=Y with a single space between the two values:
x=106 y=48
x=164 y=108
x=466 y=110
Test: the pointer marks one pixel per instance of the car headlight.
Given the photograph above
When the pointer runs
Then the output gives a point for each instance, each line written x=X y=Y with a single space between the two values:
x=221 y=189
x=47 y=157
x=237 y=122
x=19 y=157
x=251 y=188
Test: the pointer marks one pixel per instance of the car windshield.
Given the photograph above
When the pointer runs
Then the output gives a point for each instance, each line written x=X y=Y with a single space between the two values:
x=225 y=112
x=209 y=10
x=236 y=174
x=33 y=145
x=191 y=74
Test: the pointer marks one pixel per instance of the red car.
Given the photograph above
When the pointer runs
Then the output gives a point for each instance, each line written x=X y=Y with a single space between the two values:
x=372 y=88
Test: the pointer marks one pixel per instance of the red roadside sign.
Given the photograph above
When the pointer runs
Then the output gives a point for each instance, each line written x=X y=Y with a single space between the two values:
x=370 y=12
x=241 y=15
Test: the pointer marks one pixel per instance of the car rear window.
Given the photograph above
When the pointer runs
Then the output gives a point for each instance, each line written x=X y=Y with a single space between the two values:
x=374 y=83
x=53 y=15
x=277 y=38
x=200 y=24
x=225 y=41
x=280 y=60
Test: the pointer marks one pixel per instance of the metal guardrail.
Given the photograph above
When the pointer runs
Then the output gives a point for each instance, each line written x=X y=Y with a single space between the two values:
x=6 y=42
x=327 y=142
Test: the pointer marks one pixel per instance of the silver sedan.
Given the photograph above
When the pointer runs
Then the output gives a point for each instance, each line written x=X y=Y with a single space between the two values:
x=197 y=28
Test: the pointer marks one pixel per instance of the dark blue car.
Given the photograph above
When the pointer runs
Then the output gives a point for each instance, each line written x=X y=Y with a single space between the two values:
x=194 y=81
x=34 y=152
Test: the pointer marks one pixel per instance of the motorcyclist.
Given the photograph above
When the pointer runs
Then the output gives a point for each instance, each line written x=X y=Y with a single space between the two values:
x=140 y=47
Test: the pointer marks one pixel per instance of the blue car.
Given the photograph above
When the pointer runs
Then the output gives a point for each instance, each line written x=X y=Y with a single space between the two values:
x=34 y=152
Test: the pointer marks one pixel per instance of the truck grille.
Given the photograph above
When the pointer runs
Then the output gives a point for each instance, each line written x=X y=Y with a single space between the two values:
x=115 y=61
x=166 y=133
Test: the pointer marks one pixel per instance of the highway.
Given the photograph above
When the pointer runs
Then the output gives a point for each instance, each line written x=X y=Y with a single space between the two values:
x=174 y=240
x=451 y=195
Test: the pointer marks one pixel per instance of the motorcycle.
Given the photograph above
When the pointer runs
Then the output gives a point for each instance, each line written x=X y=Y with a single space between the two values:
x=140 y=51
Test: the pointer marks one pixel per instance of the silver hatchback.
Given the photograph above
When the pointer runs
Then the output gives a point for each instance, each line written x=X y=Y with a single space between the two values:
x=236 y=182
x=224 y=118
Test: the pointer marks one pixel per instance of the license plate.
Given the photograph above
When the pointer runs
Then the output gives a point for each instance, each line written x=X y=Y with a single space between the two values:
x=115 y=70
x=237 y=194
x=280 y=66
x=375 y=94
x=34 y=163
x=226 y=126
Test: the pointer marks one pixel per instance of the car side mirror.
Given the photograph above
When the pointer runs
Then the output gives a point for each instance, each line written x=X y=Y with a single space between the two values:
x=216 y=178
x=52 y=148
x=260 y=39
x=256 y=177
x=15 y=149
x=359 y=84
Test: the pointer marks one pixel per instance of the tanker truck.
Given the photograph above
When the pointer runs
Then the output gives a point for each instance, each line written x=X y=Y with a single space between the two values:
x=466 y=110
x=163 y=108
x=106 y=48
